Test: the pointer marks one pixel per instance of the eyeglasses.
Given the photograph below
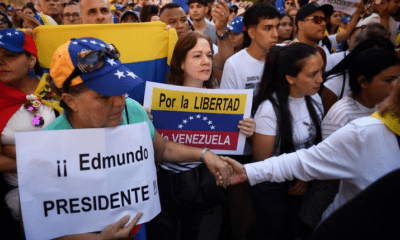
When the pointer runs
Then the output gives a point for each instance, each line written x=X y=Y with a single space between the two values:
x=317 y=19
x=74 y=15
x=92 y=62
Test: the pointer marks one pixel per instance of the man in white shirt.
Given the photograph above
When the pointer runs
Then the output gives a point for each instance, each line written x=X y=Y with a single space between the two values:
x=244 y=69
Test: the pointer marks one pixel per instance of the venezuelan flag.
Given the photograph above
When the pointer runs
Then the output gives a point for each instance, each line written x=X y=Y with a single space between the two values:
x=146 y=48
x=199 y=119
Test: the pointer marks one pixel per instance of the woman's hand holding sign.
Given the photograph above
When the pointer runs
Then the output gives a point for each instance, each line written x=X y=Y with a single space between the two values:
x=118 y=230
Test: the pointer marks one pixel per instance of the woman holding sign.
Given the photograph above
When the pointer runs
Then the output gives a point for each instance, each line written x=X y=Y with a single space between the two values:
x=26 y=103
x=191 y=66
x=92 y=83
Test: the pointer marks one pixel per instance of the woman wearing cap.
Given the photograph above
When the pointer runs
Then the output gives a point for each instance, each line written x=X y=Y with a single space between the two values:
x=238 y=35
x=97 y=99
x=129 y=16
x=26 y=103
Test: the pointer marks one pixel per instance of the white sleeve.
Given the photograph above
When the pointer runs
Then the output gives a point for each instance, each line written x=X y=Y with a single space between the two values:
x=229 y=79
x=335 y=84
x=336 y=157
x=333 y=40
x=265 y=119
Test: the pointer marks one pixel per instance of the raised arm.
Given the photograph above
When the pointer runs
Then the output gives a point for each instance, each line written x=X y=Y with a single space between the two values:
x=352 y=24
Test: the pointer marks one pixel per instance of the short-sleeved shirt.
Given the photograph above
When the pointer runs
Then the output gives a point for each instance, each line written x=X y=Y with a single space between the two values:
x=136 y=114
x=304 y=130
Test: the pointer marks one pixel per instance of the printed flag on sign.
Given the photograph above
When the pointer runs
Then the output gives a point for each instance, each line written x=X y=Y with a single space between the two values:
x=145 y=48
x=199 y=117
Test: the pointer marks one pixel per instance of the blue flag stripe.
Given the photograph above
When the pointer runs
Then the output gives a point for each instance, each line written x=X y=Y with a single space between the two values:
x=195 y=121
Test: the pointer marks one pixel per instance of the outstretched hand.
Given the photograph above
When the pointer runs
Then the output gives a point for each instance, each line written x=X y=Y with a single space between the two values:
x=118 y=230
x=220 y=169
x=221 y=16
x=239 y=174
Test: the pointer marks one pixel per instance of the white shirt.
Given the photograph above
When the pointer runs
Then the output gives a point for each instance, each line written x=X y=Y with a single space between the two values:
x=359 y=153
x=334 y=44
x=341 y=113
x=242 y=71
x=304 y=130
x=335 y=84
x=335 y=58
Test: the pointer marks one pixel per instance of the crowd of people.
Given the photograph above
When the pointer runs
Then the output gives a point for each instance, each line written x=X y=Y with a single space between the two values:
x=324 y=125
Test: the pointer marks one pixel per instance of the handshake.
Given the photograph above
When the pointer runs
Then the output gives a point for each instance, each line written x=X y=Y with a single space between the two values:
x=225 y=170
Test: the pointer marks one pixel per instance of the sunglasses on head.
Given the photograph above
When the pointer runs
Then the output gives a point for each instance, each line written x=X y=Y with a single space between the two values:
x=92 y=62
x=317 y=19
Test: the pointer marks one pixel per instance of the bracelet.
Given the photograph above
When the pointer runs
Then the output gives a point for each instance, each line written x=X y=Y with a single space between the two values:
x=202 y=154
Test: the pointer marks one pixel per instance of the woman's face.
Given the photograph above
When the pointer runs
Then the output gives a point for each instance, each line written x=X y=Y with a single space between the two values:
x=382 y=84
x=198 y=63
x=309 y=79
x=92 y=110
x=14 y=66
x=285 y=28
x=29 y=12
x=3 y=22
x=236 y=39
x=335 y=19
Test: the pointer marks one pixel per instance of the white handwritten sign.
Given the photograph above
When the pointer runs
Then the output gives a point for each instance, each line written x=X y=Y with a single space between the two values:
x=347 y=6
x=78 y=181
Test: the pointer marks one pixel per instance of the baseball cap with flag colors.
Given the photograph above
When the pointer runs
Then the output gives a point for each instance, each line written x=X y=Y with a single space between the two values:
x=108 y=77
x=16 y=41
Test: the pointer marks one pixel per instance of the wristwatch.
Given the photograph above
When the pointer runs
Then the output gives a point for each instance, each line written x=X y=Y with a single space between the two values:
x=224 y=35
x=202 y=154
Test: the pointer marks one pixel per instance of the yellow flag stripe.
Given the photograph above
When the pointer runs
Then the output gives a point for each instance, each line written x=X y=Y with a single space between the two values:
x=137 y=42
x=172 y=100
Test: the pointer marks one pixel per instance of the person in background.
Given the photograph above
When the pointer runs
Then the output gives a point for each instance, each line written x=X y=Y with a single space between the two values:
x=71 y=14
x=129 y=16
x=289 y=4
x=148 y=12
x=311 y=24
x=95 y=11
x=386 y=9
x=29 y=10
x=3 y=7
x=238 y=36
x=233 y=11
x=285 y=30
x=337 y=85
x=52 y=8
x=4 y=21
x=370 y=83
x=197 y=10
x=292 y=11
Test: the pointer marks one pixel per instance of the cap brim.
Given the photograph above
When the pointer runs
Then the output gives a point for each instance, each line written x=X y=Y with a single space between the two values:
x=110 y=84
x=11 y=48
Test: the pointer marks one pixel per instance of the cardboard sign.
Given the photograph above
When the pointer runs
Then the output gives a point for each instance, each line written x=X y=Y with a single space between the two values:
x=347 y=6
x=79 y=181
x=200 y=117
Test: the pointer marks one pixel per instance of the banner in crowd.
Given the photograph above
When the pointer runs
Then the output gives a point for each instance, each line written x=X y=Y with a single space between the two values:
x=200 y=117
x=146 y=48
x=347 y=6
x=79 y=181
